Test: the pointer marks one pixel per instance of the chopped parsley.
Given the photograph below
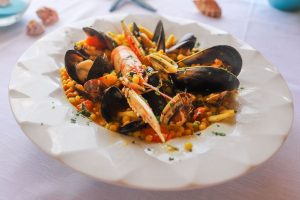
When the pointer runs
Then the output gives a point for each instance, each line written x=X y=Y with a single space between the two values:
x=73 y=120
x=149 y=149
x=157 y=117
x=84 y=111
x=171 y=158
x=218 y=133
x=198 y=134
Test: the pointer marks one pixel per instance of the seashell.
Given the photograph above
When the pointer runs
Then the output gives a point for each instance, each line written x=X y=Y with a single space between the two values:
x=4 y=3
x=209 y=8
x=48 y=15
x=34 y=28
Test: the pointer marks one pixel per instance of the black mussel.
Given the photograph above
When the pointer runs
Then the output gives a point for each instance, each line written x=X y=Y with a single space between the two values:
x=205 y=79
x=159 y=36
x=81 y=69
x=154 y=80
x=135 y=30
x=168 y=87
x=132 y=126
x=113 y=101
x=156 y=101
x=229 y=56
x=72 y=58
x=187 y=41
x=153 y=77
x=107 y=41
x=100 y=67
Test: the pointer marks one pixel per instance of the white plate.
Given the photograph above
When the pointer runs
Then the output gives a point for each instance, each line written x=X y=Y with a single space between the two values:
x=262 y=123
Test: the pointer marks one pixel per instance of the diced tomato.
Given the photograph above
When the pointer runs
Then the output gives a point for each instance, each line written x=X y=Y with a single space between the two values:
x=88 y=104
x=170 y=136
x=198 y=113
x=95 y=42
x=150 y=131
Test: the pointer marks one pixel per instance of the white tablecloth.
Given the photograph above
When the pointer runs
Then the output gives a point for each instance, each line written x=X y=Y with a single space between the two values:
x=26 y=173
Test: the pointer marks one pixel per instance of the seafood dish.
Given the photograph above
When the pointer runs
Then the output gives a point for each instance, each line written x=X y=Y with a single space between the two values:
x=151 y=85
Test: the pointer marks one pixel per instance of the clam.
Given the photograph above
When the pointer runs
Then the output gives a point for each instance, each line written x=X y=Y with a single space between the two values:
x=81 y=69
x=205 y=79
x=163 y=63
x=176 y=112
x=229 y=56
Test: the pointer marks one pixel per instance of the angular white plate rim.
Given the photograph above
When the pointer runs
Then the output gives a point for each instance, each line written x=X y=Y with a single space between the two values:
x=262 y=124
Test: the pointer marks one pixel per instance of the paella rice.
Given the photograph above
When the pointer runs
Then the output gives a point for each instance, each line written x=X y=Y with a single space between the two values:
x=149 y=86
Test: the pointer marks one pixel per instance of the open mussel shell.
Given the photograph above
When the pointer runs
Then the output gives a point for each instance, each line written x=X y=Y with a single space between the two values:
x=113 y=101
x=132 y=126
x=99 y=67
x=187 y=41
x=72 y=58
x=135 y=29
x=107 y=41
x=205 y=79
x=159 y=36
x=230 y=57
x=155 y=101
x=153 y=77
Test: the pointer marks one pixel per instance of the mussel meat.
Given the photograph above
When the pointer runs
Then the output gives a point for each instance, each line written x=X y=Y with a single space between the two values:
x=205 y=79
x=187 y=41
x=81 y=69
x=229 y=56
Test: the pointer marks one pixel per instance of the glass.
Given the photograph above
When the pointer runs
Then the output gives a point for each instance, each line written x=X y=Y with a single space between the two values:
x=286 y=5
x=12 y=11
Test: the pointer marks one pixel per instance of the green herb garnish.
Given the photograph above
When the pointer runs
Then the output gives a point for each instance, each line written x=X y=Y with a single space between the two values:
x=84 y=111
x=218 y=133
x=171 y=158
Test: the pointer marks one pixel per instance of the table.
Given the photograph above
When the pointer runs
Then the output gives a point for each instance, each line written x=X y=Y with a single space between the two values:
x=26 y=173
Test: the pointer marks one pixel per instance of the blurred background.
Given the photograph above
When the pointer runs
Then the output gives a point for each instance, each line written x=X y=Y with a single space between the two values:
x=27 y=173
